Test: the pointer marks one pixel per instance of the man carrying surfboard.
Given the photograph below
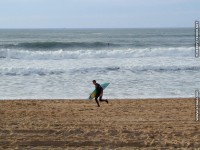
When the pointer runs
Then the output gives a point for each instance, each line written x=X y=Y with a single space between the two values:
x=99 y=93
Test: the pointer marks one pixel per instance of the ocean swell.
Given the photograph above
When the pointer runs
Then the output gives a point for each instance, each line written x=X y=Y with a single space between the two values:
x=58 y=45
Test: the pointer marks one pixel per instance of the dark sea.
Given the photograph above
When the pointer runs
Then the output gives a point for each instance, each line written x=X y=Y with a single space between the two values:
x=61 y=63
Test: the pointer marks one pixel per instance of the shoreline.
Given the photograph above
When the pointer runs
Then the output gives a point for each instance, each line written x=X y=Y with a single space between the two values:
x=120 y=124
x=79 y=99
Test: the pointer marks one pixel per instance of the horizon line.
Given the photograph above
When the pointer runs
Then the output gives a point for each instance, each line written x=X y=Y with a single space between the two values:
x=103 y=28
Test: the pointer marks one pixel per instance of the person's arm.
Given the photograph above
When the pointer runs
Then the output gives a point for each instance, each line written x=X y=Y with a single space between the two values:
x=96 y=86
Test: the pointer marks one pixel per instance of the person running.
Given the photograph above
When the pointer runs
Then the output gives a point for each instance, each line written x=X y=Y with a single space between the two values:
x=99 y=93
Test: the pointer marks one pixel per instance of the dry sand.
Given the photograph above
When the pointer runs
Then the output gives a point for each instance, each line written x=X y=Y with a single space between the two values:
x=79 y=124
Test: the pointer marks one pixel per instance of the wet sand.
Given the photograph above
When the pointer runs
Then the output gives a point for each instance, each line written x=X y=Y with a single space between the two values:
x=80 y=124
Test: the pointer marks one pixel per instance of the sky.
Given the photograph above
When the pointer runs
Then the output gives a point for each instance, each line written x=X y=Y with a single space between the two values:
x=98 y=13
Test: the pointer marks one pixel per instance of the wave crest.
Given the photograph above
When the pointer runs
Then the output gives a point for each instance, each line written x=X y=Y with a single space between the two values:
x=82 y=54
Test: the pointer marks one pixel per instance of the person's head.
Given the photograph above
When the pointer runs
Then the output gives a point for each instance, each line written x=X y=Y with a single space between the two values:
x=94 y=81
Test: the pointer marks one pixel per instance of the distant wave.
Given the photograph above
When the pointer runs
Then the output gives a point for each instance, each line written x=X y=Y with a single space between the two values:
x=163 y=68
x=29 y=71
x=58 y=45
x=91 y=70
x=138 y=69
x=82 y=54
x=95 y=69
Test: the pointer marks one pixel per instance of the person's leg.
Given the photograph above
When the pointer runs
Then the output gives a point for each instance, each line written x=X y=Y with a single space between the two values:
x=96 y=99
x=102 y=100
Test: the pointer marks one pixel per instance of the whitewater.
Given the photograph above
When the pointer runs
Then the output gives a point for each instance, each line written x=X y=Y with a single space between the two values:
x=61 y=63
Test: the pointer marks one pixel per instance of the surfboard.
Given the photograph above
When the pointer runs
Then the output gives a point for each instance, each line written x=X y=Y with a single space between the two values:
x=93 y=94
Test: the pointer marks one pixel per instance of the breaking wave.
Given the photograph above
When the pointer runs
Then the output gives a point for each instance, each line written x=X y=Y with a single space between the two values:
x=82 y=54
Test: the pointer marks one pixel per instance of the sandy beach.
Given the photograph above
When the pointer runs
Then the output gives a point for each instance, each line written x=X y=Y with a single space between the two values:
x=80 y=124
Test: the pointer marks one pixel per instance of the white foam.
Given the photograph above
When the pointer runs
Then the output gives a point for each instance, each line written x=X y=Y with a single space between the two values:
x=81 y=54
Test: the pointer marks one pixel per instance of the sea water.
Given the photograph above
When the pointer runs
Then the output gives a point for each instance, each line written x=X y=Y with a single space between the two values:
x=61 y=63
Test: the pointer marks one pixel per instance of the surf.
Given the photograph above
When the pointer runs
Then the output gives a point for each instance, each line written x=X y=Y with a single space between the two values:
x=62 y=54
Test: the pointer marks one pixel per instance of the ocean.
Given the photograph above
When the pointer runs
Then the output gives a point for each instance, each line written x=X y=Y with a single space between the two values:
x=61 y=63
